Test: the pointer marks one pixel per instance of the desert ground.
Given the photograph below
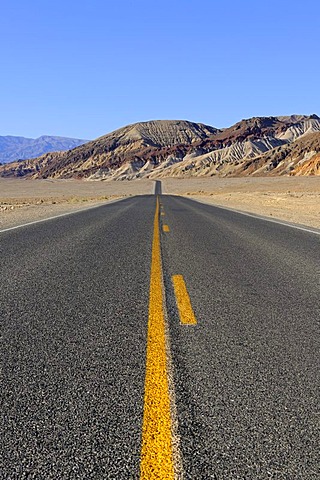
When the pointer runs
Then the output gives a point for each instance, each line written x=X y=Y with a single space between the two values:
x=293 y=199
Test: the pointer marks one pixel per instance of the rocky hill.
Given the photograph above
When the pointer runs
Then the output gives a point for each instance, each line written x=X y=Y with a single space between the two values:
x=20 y=148
x=134 y=145
x=257 y=146
x=301 y=157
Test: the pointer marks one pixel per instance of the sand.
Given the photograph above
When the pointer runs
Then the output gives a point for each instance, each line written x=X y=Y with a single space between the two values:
x=293 y=199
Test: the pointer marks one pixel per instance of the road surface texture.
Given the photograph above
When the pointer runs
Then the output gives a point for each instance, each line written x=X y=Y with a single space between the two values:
x=244 y=380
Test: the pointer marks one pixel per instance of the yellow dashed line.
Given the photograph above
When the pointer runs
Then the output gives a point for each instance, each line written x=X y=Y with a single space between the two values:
x=157 y=445
x=166 y=228
x=186 y=314
x=162 y=214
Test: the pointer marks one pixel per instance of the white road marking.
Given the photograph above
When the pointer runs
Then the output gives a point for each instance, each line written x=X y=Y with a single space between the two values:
x=58 y=216
x=260 y=217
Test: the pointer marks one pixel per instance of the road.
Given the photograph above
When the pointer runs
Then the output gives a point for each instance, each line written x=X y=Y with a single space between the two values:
x=76 y=316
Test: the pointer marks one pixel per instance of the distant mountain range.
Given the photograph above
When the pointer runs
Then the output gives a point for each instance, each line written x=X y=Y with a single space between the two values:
x=20 y=148
x=288 y=145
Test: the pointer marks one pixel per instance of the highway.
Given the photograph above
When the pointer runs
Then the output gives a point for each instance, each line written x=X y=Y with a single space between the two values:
x=158 y=338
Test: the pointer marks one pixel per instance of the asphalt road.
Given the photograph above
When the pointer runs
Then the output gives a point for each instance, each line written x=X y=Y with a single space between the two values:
x=157 y=187
x=74 y=294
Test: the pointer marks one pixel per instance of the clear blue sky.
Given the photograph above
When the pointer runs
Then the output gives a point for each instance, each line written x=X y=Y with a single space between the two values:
x=84 y=68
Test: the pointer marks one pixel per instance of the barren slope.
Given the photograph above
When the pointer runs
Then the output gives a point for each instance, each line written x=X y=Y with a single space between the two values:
x=148 y=141
x=297 y=158
x=256 y=146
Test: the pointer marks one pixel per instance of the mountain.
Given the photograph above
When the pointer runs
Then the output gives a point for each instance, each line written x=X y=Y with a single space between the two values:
x=257 y=146
x=20 y=148
x=134 y=144
x=301 y=157
x=252 y=147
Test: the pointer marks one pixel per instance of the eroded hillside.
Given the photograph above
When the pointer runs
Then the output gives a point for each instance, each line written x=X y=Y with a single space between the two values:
x=257 y=146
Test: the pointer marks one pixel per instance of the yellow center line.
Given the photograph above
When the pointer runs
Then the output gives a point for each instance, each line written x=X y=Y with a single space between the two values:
x=157 y=430
x=185 y=309
x=166 y=228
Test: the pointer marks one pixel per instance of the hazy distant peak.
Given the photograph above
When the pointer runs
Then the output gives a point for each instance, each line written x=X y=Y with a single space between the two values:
x=20 y=148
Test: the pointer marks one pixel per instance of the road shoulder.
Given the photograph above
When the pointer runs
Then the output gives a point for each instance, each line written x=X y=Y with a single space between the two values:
x=295 y=219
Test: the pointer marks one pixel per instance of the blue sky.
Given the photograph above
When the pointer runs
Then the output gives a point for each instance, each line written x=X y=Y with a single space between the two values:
x=82 y=69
